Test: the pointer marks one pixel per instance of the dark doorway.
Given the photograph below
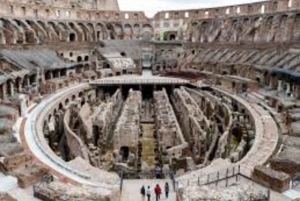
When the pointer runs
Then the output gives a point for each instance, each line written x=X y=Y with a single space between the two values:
x=124 y=152
x=72 y=37
x=172 y=37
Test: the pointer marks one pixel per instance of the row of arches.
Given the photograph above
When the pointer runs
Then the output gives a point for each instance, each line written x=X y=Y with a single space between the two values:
x=17 y=31
x=266 y=28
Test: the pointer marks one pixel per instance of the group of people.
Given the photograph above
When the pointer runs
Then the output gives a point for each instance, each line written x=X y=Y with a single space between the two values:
x=157 y=191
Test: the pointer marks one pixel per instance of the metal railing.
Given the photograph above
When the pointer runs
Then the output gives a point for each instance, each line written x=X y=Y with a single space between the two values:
x=223 y=179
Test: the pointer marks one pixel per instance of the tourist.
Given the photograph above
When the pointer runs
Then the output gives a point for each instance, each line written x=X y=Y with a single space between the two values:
x=157 y=191
x=143 y=192
x=149 y=193
x=167 y=189
x=158 y=172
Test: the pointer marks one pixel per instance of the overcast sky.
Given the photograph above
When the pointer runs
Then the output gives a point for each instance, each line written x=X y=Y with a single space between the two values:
x=152 y=6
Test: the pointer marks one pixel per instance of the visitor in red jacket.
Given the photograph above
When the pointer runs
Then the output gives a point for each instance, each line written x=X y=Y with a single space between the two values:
x=157 y=191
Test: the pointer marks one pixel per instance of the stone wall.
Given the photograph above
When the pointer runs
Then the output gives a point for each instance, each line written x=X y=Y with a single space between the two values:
x=104 y=119
x=195 y=126
x=75 y=144
x=127 y=129
x=55 y=191
x=30 y=176
x=168 y=130
x=277 y=181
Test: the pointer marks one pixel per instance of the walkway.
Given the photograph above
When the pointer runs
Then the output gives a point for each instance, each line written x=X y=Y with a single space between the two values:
x=131 y=190
x=148 y=142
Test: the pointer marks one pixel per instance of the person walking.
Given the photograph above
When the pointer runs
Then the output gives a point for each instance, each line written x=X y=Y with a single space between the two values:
x=167 y=189
x=158 y=172
x=149 y=193
x=157 y=191
x=143 y=192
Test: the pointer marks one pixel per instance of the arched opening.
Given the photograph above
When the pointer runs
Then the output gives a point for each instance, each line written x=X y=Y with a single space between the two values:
x=86 y=58
x=67 y=102
x=48 y=75
x=60 y=107
x=172 y=37
x=124 y=152
x=72 y=37
x=96 y=135
x=79 y=59
x=82 y=102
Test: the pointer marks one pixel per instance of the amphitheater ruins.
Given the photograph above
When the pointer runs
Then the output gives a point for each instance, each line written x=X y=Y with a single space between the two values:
x=96 y=102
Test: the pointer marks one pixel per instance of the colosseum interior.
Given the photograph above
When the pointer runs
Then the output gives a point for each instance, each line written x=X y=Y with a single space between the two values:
x=96 y=102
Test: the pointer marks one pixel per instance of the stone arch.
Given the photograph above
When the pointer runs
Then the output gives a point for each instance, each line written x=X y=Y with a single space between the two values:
x=194 y=32
x=60 y=106
x=3 y=32
x=72 y=37
x=84 y=32
x=100 y=32
x=296 y=28
x=67 y=101
x=78 y=30
x=110 y=31
x=19 y=35
x=18 y=82
x=269 y=35
x=91 y=29
x=172 y=36
x=9 y=87
x=66 y=33
x=55 y=29
x=283 y=30
x=29 y=36
x=127 y=31
x=119 y=31
x=255 y=31
x=202 y=28
x=41 y=33
x=136 y=30
x=147 y=32
x=73 y=97
x=25 y=82
x=52 y=36
x=194 y=24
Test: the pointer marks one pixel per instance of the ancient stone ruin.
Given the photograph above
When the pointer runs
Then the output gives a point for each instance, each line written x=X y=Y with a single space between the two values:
x=95 y=101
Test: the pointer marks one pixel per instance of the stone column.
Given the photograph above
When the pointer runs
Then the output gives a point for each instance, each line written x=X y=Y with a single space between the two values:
x=23 y=105
x=288 y=89
x=11 y=87
x=279 y=88
x=27 y=81
x=20 y=89
x=4 y=91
